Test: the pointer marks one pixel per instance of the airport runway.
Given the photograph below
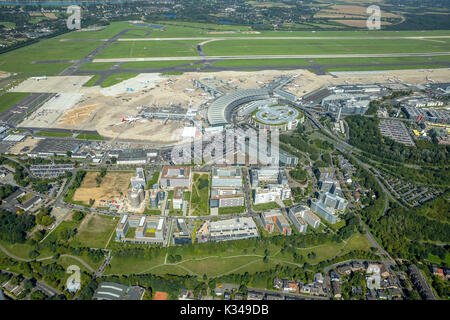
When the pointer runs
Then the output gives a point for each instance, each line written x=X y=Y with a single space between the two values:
x=276 y=38
x=294 y=56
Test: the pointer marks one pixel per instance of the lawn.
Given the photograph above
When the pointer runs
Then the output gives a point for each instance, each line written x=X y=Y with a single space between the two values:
x=9 y=99
x=20 y=60
x=91 y=82
x=153 y=64
x=356 y=61
x=22 y=249
x=94 y=231
x=130 y=265
x=265 y=206
x=53 y=134
x=321 y=46
x=106 y=33
x=200 y=195
x=139 y=49
x=117 y=78
x=231 y=210
x=89 y=136
x=261 y=63
x=153 y=180
x=380 y=68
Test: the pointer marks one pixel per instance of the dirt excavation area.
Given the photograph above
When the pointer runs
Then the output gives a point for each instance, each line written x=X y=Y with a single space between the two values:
x=113 y=187
x=94 y=108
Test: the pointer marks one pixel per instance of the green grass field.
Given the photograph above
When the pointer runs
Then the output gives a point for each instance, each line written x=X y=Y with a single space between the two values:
x=91 y=82
x=139 y=49
x=53 y=134
x=153 y=64
x=261 y=63
x=95 y=231
x=380 y=68
x=117 y=78
x=9 y=99
x=321 y=46
x=200 y=195
x=233 y=260
x=88 y=136
x=20 y=60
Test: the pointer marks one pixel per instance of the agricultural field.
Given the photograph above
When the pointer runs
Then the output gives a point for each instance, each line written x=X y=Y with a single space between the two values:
x=114 y=186
x=9 y=99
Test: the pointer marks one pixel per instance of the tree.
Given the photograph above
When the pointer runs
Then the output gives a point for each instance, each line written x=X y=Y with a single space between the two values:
x=78 y=215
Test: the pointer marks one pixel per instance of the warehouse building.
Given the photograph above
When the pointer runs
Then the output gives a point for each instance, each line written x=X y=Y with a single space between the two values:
x=50 y=171
x=60 y=147
x=132 y=157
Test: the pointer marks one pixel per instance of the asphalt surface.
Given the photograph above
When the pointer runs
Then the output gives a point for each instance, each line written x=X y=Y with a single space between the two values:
x=292 y=56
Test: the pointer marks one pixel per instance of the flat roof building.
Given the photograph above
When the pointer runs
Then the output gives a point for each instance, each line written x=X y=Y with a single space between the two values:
x=226 y=177
x=230 y=229
x=175 y=176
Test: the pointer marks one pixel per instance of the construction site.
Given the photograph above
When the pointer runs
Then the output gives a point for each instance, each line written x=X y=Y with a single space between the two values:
x=155 y=108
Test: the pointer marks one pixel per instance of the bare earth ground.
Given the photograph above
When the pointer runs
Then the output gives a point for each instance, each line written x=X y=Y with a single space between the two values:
x=28 y=142
x=113 y=187
x=96 y=108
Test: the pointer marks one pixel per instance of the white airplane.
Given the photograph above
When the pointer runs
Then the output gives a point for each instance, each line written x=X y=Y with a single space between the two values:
x=129 y=119
x=16 y=111
x=188 y=89
x=22 y=107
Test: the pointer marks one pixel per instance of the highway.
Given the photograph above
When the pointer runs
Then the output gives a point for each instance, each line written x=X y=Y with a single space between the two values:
x=292 y=56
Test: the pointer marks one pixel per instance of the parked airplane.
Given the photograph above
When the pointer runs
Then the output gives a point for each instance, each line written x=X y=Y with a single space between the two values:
x=129 y=119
